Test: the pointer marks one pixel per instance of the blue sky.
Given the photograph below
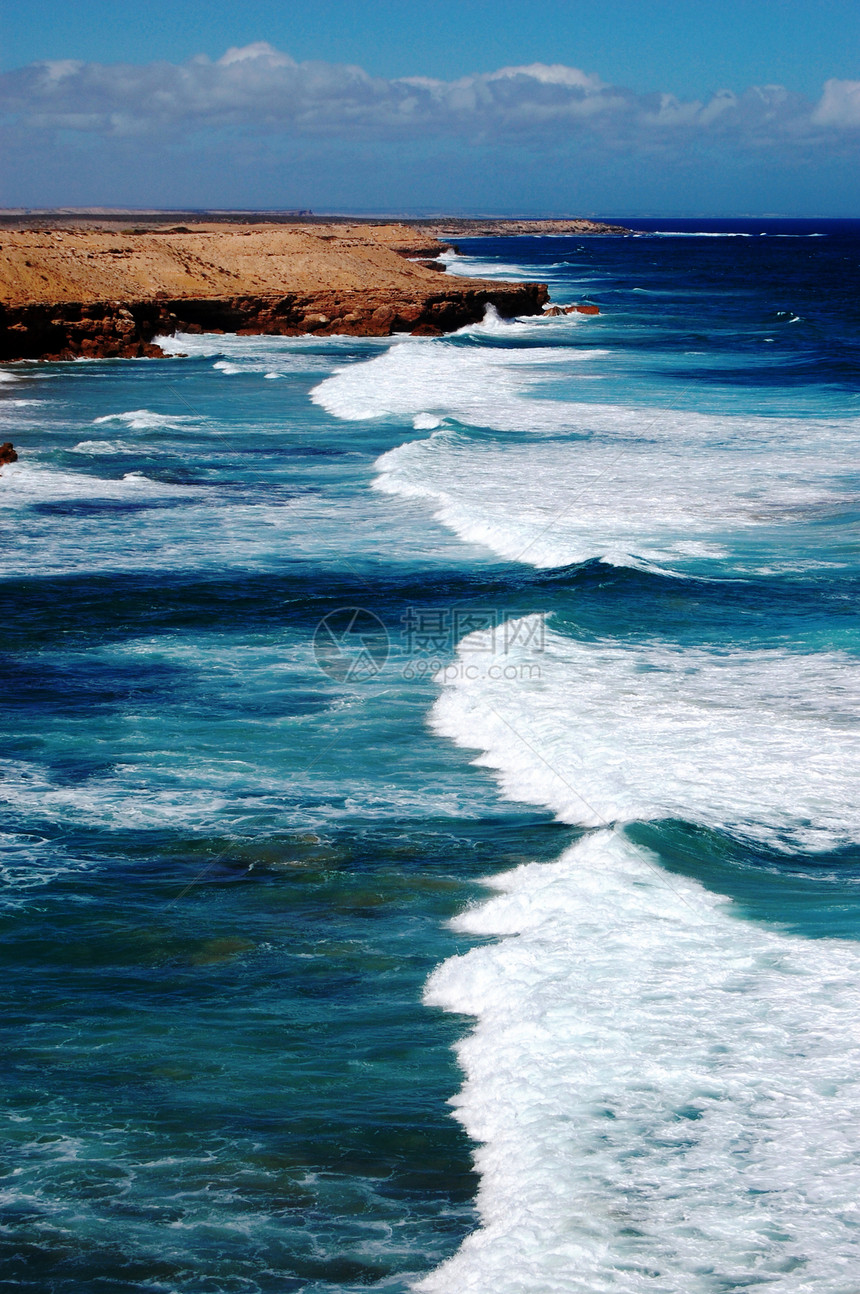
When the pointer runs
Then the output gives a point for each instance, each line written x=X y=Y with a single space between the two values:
x=563 y=106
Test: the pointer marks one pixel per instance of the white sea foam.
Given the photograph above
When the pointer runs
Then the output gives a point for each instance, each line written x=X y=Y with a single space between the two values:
x=557 y=274
x=476 y=267
x=272 y=356
x=526 y=328
x=178 y=777
x=622 y=483
x=146 y=420
x=246 y=347
x=20 y=418
x=666 y=1097
x=686 y=487
x=28 y=864
x=130 y=797
x=25 y=484
x=263 y=525
x=763 y=743
x=653 y=483
x=104 y=447
x=483 y=386
x=693 y=233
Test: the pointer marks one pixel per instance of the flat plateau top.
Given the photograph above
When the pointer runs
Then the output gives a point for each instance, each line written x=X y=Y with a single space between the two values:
x=210 y=259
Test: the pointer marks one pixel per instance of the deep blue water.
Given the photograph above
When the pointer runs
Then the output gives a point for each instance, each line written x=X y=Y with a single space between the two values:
x=231 y=854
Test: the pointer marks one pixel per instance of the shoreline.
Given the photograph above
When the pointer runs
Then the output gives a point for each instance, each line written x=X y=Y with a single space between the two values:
x=126 y=329
x=106 y=292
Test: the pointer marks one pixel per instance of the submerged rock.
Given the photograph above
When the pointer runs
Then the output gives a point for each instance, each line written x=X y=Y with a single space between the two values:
x=552 y=310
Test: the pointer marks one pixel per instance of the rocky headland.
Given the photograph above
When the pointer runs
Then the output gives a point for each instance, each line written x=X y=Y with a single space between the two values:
x=473 y=228
x=67 y=291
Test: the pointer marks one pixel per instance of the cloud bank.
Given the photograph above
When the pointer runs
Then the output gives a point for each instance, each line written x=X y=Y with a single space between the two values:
x=257 y=128
x=258 y=88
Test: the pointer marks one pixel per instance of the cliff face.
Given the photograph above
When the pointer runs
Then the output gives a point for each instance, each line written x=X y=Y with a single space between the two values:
x=110 y=329
x=95 y=293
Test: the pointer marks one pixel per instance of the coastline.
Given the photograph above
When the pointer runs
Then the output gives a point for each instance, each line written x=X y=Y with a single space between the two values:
x=67 y=293
x=299 y=846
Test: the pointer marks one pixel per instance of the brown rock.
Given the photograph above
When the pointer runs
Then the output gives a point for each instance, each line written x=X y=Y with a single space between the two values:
x=251 y=280
x=7 y=453
x=582 y=310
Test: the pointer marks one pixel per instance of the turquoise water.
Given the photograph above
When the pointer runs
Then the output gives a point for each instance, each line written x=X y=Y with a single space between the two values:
x=605 y=572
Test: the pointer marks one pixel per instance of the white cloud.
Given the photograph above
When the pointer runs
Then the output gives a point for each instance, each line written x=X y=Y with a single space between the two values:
x=551 y=74
x=257 y=89
x=58 y=68
x=259 y=49
x=839 y=105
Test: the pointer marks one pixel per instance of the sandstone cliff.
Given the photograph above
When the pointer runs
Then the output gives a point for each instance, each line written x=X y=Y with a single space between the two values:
x=70 y=292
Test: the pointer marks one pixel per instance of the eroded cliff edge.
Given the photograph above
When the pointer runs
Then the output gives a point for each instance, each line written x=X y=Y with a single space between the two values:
x=69 y=293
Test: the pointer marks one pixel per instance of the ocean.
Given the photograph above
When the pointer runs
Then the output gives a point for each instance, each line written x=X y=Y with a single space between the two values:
x=431 y=844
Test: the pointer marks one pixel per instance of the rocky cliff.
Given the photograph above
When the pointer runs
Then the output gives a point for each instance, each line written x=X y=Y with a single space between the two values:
x=68 y=293
x=104 y=329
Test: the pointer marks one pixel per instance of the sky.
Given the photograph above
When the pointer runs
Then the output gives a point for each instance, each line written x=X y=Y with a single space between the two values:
x=563 y=107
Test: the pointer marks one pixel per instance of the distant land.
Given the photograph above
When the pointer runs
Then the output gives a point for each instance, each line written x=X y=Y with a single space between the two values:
x=466 y=226
x=106 y=283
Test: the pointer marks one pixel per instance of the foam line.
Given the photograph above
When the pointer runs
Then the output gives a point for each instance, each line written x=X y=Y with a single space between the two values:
x=146 y=420
x=757 y=494
x=762 y=743
x=630 y=485
x=665 y=1097
x=481 y=386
